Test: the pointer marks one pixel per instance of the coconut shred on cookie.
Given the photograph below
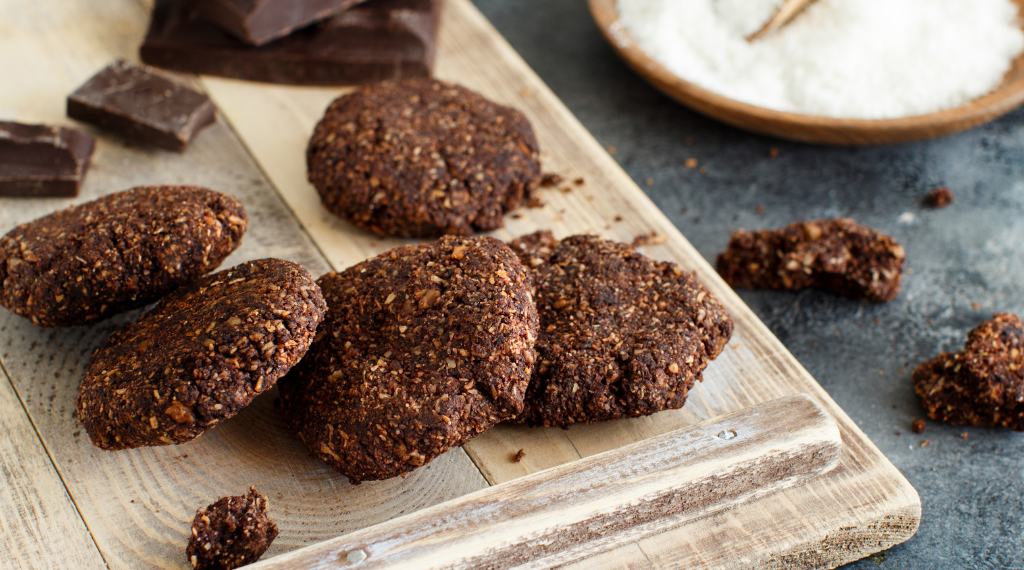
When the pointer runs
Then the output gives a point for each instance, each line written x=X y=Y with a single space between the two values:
x=862 y=59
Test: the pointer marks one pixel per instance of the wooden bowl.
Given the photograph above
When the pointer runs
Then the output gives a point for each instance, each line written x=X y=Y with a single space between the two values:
x=809 y=128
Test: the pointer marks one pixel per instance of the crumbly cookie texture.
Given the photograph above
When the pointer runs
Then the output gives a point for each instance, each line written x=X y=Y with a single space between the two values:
x=840 y=256
x=232 y=532
x=423 y=348
x=621 y=335
x=200 y=356
x=982 y=385
x=422 y=158
x=116 y=253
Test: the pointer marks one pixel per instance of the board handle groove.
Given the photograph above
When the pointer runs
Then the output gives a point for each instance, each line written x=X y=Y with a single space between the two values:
x=600 y=502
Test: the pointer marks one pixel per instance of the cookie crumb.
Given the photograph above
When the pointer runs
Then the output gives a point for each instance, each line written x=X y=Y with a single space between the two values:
x=918 y=425
x=897 y=433
x=550 y=180
x=975 y=306
x=579 y=181
x=566 y=189
x=232 y=532
x=648 y=239
x=518 y=456
x=773 y=153
x=691 y=163
x=619 y=218
x=649 y=182
x=925 y=443
x=760 y=208
x=612 y=150
x=939 y=198
x=963 y=435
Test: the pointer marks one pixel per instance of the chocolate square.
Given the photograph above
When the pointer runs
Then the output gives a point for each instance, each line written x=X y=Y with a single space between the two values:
x=42 y=161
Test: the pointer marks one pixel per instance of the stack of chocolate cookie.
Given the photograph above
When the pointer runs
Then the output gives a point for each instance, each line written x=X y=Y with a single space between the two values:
x=303 y=42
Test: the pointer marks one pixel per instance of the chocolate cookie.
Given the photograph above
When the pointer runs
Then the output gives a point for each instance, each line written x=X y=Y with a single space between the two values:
x=200 y=356
x=422 y=158
x=838 y=255
x=423 y=348
x=621 y=335
x=117 y=253
x=982 y=385
x=232 y=532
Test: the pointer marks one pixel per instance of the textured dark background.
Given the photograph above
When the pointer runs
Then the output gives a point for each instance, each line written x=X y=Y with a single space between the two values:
x=964 y=263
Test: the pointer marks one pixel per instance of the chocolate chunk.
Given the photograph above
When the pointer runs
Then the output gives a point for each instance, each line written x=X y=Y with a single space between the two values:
x=257 y=22
x=40 y=161
x=377 y=41
x=982 y=385
x=232 y=532
x=142 y=106
x=838 y=255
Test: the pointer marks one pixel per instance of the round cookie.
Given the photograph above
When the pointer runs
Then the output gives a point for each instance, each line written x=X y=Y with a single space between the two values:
x=423 y=348
x=200 y=356
x=621 y=335
x=116 y=253
x=422 y=158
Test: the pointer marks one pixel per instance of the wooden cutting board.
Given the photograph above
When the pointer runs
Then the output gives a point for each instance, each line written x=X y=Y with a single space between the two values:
x=64 y=503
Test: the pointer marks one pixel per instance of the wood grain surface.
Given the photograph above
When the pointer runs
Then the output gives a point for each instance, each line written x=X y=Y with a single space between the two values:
x=609 y=499
x=809 y=128
x=137 y=504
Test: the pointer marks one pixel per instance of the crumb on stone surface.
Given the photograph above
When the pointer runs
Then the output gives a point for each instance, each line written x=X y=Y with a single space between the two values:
x=939 y=198
x=982 y=385
x=230 y=533
x=840 y=256
x=918 y=425
x=691 y=163
x=621 y=335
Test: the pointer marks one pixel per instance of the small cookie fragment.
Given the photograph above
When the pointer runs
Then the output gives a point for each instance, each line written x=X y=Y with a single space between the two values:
x=142 y=106
x=840 y=256
x=43 y=161
x=423 y=348
x=200 y=356
x=982 y=385
x=116 y=253
x=939 y=198
x=621 y=335
x=422 y=158
x=232 y=532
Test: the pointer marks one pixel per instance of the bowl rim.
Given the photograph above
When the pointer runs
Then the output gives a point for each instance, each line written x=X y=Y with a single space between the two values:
x=1007 y=96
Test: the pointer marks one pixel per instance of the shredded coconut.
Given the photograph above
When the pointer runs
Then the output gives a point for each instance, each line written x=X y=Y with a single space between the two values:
x=866 y=59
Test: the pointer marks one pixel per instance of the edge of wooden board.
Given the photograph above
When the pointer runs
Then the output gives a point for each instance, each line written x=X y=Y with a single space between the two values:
x=886 y=510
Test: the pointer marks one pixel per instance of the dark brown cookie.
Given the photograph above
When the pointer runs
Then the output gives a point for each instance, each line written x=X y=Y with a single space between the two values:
x=232 y=532
x=840 y=256
x=982 y=385
x=422 y=158
x=621 y=335
x=117 y=253
x=200 y=356
x=423 y=348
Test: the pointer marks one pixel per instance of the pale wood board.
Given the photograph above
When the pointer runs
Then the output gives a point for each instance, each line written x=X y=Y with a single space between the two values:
x=52 y=46
x=590 y=506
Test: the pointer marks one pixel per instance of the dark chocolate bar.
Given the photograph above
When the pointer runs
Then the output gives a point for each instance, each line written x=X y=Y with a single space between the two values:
x=257 y=22
x=142 y=106
x=40 y=161
x=375 y=41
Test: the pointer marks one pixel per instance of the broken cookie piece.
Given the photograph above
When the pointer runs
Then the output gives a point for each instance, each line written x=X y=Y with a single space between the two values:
x=232 y=532
x=840 y=256
x=982 y=385
x=621 y=335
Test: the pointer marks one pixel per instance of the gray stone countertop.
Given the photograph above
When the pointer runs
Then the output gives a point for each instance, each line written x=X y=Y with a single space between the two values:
x=965 y=262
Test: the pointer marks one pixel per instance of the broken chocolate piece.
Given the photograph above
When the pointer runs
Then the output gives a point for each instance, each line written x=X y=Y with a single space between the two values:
x=142 y=106
x=40 y=161
x=377 y=41
x=257 y=22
